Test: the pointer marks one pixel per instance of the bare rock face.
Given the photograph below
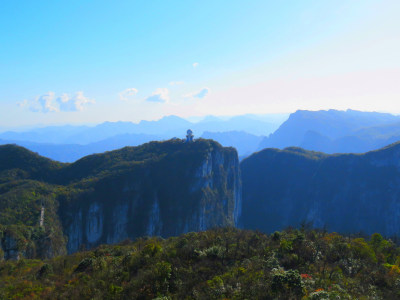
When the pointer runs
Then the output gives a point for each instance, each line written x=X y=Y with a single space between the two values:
x=347 y=193
x=191 y=187
x=10 y=248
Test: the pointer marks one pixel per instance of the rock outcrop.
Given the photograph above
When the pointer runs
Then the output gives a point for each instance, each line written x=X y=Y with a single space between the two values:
x=190 y=187
x=10 y=248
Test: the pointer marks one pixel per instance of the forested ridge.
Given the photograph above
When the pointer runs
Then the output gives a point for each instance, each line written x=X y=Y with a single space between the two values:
x=157 y=187
x=346 y=193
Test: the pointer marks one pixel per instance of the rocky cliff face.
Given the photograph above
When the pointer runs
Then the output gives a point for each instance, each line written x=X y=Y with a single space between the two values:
x=344 y=193
x=10 y=248
x=191 y=187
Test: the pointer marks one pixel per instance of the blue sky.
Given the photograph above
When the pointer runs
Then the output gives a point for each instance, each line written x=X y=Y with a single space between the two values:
x=95 y=61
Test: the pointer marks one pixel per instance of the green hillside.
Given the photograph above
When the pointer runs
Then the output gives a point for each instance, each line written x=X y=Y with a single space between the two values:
x=216 y=264
x=159 y=188
x=346 y=193
x=19 y=163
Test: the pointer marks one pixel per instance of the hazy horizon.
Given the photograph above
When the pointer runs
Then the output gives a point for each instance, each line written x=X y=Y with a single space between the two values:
x=271 y=117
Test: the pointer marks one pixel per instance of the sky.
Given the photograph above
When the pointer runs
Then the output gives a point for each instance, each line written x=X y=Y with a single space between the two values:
x=82 y=62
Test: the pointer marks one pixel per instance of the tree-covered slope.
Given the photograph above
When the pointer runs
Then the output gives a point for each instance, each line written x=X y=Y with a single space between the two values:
x=345 y=193
x=21 y=235
x=96 y=164
x=17 y=162
x=159 y=188
x=216 y=264
x=23 y=191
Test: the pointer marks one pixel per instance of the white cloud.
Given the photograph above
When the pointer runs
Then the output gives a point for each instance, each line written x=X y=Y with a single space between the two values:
x=159 y=95
x=45 y=103
x=49 y=103
x=200 y=94
x=176 y=83
x=195 y=65
x=127 y=94
x=75 y=103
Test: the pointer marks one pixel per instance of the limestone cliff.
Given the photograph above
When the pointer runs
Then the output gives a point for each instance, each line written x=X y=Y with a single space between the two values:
x=181 y=187
x=346 y=193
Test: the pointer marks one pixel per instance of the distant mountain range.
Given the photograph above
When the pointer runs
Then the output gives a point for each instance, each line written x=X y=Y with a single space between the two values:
x=330 y=131
x=73 y=152
x=69 y=143
x=164 y=128
x=334 y=131
x=245 y=143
